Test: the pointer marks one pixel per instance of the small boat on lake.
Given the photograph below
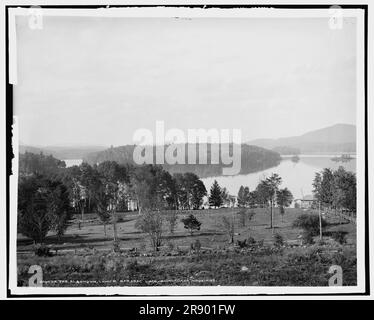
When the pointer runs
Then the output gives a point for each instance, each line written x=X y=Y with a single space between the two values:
x=342 y=158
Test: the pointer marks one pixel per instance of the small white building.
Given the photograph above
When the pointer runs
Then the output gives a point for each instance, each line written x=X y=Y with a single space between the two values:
x=305 y=203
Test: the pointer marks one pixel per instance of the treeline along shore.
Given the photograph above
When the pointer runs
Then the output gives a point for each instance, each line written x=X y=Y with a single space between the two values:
x=49 y=192
x=252 y=159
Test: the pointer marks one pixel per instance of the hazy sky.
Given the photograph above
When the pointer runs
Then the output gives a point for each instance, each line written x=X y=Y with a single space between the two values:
x=96 y=80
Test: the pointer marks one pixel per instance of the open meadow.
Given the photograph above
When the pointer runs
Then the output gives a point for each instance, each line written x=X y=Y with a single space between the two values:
x=85 y=256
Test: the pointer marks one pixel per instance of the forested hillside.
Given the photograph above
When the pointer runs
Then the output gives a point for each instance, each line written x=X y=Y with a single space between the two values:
x=334 y=139
x=253 y=159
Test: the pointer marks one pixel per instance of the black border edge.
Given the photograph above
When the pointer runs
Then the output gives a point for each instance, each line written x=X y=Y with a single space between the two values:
x=367 y=251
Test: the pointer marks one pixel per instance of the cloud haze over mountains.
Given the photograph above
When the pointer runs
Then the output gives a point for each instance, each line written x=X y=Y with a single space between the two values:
x=92 y=81
x=337 y=138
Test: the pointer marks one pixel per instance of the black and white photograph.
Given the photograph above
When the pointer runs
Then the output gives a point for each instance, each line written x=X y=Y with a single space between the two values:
x=187 y=150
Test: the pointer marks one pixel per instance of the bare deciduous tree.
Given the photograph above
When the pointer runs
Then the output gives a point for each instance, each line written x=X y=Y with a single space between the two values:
x=172 y=219
x=228 y=225
x=151 y=222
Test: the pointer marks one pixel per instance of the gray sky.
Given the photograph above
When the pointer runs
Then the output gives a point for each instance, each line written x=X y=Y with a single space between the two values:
x=96 y=80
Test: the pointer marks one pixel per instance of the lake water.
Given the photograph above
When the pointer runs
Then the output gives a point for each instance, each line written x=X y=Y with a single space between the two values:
x=297 y=177
x=73 y=162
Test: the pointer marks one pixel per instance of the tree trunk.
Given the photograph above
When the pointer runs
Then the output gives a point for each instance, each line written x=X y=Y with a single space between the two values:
x=320 y=220
x=114 y=215
x=105 y=229
x=89 y=203
x=271 y=215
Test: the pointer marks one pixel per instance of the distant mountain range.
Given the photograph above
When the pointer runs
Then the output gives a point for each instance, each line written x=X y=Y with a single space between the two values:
x=257 y=154
x=62 y=153
x=339 y=138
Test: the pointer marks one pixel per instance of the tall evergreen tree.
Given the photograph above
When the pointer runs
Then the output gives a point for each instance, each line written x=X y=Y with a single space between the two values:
x=215 y=199
x=241 y=198
x=252 y=199
x=246 y=196
x=198 y=193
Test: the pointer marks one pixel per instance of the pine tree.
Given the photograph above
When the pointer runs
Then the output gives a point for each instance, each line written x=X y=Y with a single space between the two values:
x=241 y=200
x=215 y=199
x=246 y=196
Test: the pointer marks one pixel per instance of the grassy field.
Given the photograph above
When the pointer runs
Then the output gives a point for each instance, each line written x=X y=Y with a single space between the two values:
x=86 y=254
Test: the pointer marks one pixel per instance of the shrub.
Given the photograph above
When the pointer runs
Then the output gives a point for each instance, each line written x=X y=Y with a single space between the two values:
x=242 y=244
x=252 y=241
x=278 y=240
x=307 y=237
x=340 y=237
x=191 y=223
x=251 y=214
x=338 y=258
x=132 y=265
x=42 y=250
x=116 y=246
x=197 y=245
x=309 y=223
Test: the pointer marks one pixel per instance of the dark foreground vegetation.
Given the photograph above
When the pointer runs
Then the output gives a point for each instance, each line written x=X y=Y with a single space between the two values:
x=254 y=266
x=206 y=256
